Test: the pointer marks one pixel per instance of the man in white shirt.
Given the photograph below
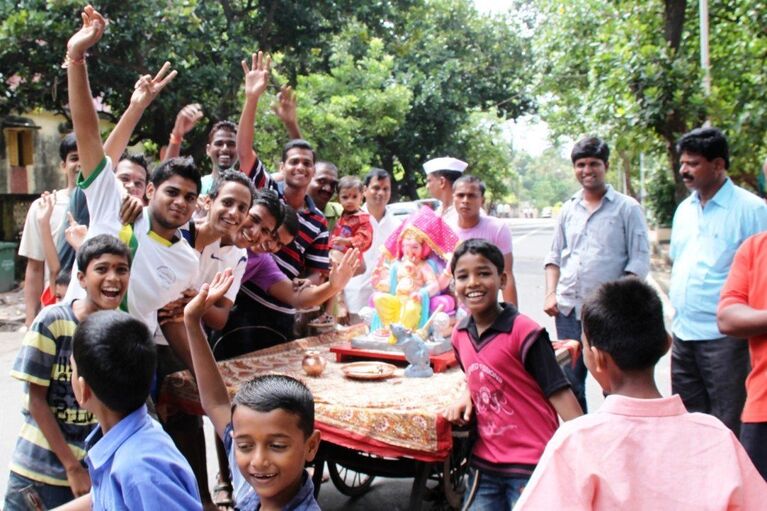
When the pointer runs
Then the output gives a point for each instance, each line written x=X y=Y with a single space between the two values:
x=377 y=195
x=31 y=245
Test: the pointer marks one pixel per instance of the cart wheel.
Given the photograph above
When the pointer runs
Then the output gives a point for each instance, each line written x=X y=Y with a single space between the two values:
x=455 y=469
x=349 y=482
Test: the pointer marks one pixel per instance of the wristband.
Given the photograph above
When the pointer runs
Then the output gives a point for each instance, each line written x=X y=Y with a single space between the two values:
x=69 y=61
x=176 y=139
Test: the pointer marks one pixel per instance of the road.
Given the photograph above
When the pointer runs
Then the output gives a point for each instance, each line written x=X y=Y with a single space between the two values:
x=531 y=238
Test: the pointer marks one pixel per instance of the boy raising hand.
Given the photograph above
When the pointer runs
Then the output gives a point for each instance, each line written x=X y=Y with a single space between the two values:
x=268 y=430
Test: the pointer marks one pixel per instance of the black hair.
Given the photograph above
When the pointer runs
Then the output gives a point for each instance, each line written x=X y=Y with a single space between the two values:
x=271 y=201
x=179 y=166
x=450 y=175
x=290 y=220
x=707 y=142
x=330 y=165
x=138 y=159
x=278 y=392
x=222 y=125
x=377 y=174
x=116 y=356
x=471 y=180
x=98 y=246
x=67 y=145
x=347 y=182
x=299 y=143
x=235 y=176
x=63 y=278
x=624 y=318
x=591 y=147
x=481 y=247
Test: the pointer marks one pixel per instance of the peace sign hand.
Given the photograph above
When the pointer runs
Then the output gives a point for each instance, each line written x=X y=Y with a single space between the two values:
x=147 y=88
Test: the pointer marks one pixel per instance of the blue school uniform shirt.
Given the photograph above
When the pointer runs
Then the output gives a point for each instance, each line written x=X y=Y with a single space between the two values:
x=135 y=466
x=246 y=498
x=703 y=244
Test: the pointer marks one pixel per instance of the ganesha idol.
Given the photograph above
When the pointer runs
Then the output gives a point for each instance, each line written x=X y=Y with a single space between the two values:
x=410 y=276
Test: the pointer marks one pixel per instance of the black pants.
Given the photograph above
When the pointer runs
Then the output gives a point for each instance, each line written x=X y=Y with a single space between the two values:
x=753 y=436
x=710 y=377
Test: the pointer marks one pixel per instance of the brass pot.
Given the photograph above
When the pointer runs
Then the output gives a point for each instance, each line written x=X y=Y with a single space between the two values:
x=313 y=364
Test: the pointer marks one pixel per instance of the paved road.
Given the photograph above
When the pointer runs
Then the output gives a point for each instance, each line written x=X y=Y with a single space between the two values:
x=531 y=243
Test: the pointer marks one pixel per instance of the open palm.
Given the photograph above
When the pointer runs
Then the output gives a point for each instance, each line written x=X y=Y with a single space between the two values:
x=257 y=76
x=90 y=33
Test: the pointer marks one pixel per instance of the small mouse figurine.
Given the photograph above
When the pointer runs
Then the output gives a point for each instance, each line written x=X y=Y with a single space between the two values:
x=415 y=351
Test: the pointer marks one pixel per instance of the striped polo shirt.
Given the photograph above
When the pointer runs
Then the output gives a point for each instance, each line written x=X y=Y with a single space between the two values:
x=309 y=250
x=44 y=360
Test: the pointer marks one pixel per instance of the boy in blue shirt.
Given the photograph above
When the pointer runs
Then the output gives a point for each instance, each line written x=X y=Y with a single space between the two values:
x=132 y=462
x=268 y=430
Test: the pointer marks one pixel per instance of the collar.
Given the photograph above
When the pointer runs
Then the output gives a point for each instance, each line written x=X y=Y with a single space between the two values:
x=301 y=500
x=308 y=202
x=156 y=237
x=723 y=196
x=633 y=407
x=101 y=448
x=504 y=323
x=610 y=194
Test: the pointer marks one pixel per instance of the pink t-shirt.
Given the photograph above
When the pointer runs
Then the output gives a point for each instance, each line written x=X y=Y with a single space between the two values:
x=514 y=418
x=637 y=454
x=489 y=228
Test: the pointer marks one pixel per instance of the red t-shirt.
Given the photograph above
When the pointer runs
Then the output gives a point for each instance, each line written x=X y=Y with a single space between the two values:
x=514 y=418
x=747 y=284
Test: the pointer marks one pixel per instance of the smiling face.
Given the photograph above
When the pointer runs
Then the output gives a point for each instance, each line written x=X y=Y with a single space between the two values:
x=228 y=210
x=71 y=164
x=280 y=239
x=590 y=173
x=467 y=200
x=378 y=193
x=323 y=186
x=477 y=282
x=700 y=174
x=173 y=202
x=105 y=281
x=271 y=451
x=298 y=167
x=257 y=228
x=222 y=149
x=133 y=178
x=350 y=199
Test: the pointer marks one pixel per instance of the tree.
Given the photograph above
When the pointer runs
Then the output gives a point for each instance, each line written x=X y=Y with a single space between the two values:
x=634 y=76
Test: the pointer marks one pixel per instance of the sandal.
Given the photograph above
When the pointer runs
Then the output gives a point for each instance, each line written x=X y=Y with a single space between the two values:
x=222 y=495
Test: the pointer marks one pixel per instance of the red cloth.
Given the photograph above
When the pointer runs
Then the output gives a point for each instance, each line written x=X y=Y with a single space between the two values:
x=48 y=298
x=356 y=226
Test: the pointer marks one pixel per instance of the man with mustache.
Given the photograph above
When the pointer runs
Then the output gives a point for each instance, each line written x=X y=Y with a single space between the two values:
x=600 y=236
x=708 y=368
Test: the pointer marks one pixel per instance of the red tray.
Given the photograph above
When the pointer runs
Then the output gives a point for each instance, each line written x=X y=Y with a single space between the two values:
x=345 y=353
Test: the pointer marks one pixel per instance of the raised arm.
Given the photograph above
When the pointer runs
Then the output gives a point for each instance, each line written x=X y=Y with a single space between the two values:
x=256 y=81
x=186 y=119
x=84 y=118
x=213 y=394
x=44 y=212
x=287 y=112
x=145 y=90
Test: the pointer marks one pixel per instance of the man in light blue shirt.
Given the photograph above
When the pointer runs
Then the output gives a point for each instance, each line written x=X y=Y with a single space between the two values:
x=708 y=369
x=600 y=236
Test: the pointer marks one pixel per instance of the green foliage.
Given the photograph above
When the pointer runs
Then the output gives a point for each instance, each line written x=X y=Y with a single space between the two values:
x=388 y=83
x=545 y=180
x=661 y=202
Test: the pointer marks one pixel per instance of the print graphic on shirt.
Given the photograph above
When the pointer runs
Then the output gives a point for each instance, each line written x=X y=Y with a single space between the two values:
x=62 y=402
x=166 y=275
x=490 y=403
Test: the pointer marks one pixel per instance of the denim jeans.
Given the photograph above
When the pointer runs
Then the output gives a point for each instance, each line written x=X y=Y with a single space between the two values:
x=753 y=436
x=569 y=327
x=51 y=496
x=710 y=377
x=494 y=493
